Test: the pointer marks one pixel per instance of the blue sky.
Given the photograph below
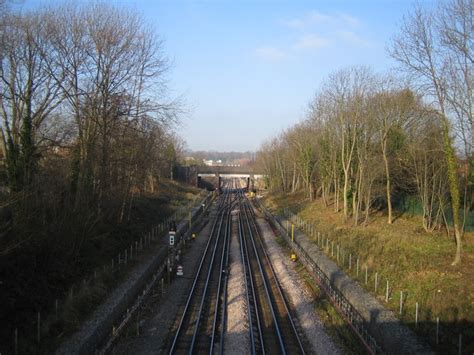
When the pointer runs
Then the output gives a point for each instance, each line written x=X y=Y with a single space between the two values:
x=247 y=69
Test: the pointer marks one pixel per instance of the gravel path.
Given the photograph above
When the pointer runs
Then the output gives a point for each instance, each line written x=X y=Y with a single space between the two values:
x=299 y=295
x=159 y=316
x=237 y=332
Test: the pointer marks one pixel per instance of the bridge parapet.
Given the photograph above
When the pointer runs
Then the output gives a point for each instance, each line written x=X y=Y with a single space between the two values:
x=228 y=170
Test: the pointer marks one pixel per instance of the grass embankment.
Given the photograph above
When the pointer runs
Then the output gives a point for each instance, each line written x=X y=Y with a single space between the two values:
x=85 y=283
x=413 y=261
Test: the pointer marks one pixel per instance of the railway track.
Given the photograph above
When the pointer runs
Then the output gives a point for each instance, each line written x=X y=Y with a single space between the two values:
x=201 y=326
x=272 y=327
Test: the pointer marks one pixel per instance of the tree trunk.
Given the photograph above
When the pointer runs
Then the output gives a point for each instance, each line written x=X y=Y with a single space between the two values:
x=388 y=183
x=293 y=183
x=346 y=187
x=323 y=194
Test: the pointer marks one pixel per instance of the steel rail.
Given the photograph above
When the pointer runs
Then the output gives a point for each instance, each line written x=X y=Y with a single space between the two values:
x=265 y=284
x=273 y=274
x=219 y=286
x=219 y=218
x=206 y=285
x=226 y=280
x=250 y=292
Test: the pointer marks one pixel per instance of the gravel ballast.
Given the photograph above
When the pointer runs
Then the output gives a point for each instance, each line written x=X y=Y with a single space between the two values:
x=299 y=295
x=236 y=339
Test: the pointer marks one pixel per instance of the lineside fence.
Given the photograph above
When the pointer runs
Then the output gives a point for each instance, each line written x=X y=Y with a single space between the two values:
x=342 y=305
x=380 y=285
x=164 y=274
x=50 y=322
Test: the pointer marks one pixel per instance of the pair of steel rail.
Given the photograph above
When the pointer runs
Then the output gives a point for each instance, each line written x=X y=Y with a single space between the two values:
x=202 y=313
x=272 y=329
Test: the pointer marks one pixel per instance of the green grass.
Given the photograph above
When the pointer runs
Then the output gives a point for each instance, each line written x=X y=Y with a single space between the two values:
x=413 y=261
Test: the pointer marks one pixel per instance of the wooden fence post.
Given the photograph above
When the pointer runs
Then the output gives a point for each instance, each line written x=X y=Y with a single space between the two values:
x=16 y=341
x=38 y=333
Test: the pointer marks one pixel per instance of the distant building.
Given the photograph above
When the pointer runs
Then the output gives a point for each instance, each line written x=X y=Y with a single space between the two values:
x=212 y=162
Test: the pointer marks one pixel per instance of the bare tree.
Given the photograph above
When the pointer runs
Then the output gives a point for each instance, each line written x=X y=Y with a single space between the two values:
x=393 y=112
x=28 y=93
x=346 y=91
x=420 y=53
x=113 y=69
x=455 y=23
x=428 y=167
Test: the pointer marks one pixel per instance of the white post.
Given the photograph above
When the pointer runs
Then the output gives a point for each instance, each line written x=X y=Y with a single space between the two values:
x=386 y=294
x=437 y=330
x=416 y=314
x=401 y=302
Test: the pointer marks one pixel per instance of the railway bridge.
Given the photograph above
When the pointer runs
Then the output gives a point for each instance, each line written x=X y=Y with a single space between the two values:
x=214 y=174
x=210 y=176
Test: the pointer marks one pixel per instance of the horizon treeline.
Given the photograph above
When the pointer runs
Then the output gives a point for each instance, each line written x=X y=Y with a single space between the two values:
x=379 y=141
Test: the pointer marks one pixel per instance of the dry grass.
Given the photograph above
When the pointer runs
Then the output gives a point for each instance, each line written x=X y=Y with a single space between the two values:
x=413 y=261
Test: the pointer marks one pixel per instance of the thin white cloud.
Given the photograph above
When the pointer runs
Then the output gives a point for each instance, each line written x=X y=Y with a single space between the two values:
x=315 y=30
x=312 y=41
x=271 y=54
x=354 y=39
x=315 y=18
x=295 y=23
x=349 y=20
